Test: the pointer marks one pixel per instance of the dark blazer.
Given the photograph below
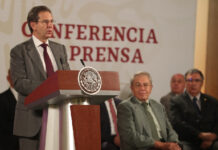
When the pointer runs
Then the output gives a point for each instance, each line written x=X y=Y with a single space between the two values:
x=27 y=73
x=165 y=100
x=133 y=126
x=7 y=109
x=105 y=124
x=188 y=122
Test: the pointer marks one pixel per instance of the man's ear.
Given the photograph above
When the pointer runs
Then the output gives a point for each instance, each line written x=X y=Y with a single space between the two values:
x=33 y=25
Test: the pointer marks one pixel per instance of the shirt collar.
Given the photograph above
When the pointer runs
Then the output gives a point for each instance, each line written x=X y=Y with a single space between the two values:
x=197 y=96
x=147 y=101
x=37 y=42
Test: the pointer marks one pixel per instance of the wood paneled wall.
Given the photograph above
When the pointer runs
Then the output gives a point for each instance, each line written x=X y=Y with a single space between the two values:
x=206 y=45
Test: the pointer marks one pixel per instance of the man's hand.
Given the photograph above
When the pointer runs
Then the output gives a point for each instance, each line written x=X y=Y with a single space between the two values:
x=207 y=136
x=206 y=144
x=167 y=146
x=173 y=146
x=117 y=140
x=207 y=139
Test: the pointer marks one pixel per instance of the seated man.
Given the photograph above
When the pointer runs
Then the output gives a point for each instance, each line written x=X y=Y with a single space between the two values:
x=195 y=115
x=142 y=122
x=177 y=85
x=110 y=139
x=8 y=100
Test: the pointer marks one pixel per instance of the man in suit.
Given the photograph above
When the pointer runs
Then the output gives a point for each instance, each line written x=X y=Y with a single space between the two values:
x=142 y=122
x=110 y=139
x=195 y=115
x=31 y=64
x=177 y=85
x=7 y=109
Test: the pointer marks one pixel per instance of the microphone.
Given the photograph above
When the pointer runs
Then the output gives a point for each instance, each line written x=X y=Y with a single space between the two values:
x=61 y=61
x=82 y=62
x=62 y=64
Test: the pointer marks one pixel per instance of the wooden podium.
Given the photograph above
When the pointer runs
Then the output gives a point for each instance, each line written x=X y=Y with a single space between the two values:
x=62 y=90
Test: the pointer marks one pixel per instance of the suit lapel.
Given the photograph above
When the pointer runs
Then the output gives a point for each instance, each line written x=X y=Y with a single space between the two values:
x=140 y=112
x=187 y=99
x=34 y=55
x=56 y=54
x=158 y=114
x=203 y=100
x=156 y=111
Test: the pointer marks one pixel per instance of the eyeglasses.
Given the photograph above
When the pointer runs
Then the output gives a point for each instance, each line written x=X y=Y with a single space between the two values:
x=145 y=85
x=193 y=80
x=46 y=21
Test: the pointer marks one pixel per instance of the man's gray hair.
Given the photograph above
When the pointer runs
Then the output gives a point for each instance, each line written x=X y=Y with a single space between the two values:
x=192 y=71
x=141 y=73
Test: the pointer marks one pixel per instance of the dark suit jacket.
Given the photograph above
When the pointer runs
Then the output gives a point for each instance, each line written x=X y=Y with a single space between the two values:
x=105 y=124
x=188 y=122
x=133 y=126
x=27 y=73
x=165 y=100
x=7 y=109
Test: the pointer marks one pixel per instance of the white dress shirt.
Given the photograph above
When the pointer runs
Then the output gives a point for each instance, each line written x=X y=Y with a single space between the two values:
x=40 y=50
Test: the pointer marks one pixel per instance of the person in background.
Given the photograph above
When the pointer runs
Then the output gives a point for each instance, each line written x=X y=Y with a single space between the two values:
x=8 y=100
x=195 y=114
x=31 y=63
x=177 y=85
x=142 y=121
x=110 y=139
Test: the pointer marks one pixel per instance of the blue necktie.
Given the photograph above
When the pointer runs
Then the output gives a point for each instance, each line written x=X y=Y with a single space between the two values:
x=195 y=104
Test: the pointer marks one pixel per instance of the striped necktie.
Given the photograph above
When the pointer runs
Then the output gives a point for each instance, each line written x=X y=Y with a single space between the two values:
x=113 y=113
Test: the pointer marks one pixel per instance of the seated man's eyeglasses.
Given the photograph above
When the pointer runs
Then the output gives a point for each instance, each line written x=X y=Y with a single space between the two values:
x=193 y=80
